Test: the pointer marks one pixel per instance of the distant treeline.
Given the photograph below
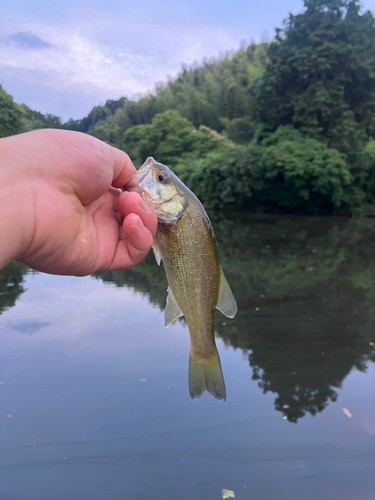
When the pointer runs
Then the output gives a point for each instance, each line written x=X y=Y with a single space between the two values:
x=288 y=125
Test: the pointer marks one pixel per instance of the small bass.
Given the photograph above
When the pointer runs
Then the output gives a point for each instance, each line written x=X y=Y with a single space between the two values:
x=186 y=243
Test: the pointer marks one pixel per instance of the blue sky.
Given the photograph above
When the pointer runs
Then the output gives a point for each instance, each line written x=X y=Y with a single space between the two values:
x=65 y=57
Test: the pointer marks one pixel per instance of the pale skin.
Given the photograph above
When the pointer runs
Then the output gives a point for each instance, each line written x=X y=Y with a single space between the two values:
x=61 y=209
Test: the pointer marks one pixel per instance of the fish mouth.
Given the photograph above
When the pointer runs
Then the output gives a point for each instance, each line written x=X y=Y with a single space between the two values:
x=140 y=176
x=139 y=180
x=143 y=177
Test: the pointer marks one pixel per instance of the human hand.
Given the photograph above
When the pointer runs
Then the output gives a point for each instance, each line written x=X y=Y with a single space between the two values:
x=61 y=209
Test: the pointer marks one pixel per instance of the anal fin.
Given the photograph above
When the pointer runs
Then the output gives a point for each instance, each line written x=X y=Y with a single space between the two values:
x=226 y=303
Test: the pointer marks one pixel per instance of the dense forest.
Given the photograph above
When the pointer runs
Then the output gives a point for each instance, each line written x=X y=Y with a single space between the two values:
x=287 y=125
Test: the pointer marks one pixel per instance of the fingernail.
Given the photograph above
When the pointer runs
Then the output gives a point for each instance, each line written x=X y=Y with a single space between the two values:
x=137 y=223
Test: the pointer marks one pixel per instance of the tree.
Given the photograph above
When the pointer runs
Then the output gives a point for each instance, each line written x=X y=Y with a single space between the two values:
x=302 y=172
x=226 y=176
x=168 y=138
x=221 y=88
x=11 y=284
x=217 y=94
x=33 y=120
x=321 y=75
x=114 y=105
x=10 y=115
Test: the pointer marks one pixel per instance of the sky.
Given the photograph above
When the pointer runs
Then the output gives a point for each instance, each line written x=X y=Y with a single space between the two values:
x=66 y=57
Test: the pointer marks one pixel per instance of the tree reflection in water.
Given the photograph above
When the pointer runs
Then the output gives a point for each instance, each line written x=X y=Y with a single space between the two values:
x=11 y=281
x=305 y=289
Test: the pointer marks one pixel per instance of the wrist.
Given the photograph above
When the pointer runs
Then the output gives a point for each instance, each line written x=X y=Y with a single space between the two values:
x=15 y=203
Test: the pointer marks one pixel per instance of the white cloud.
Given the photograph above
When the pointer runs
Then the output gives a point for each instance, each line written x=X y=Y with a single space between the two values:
x=73 y=60
x=127 y=60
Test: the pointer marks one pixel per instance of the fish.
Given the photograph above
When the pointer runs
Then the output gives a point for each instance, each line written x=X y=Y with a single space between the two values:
x=185 y=242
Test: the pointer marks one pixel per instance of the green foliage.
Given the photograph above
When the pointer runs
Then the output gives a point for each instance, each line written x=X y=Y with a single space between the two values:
x=370 y=147
x=112 y=128
x=302 y=171
x=11 y=284
x=225 y=177
x=239 y=130
x=33 y=120
x=286 y=170
x=10 y=115
x=361 y=193
x=216 y=89
x=321 y=76
x=168 y=138
x=97 y=115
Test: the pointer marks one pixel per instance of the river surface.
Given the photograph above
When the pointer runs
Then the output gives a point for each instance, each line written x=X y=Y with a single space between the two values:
x=94 y=400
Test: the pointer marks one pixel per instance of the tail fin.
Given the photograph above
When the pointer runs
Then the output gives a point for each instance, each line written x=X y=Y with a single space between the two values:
x=206 y=374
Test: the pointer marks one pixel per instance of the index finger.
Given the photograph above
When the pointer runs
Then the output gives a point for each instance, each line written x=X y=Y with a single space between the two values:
x=89 y=166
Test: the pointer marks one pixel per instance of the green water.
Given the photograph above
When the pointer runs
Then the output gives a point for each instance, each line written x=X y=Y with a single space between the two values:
x=94 y=401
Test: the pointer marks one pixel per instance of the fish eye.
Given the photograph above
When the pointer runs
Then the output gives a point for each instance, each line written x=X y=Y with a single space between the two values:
x=164 y=178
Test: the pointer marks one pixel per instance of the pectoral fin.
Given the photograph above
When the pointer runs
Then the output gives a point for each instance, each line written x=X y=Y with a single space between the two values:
x=157 y=253
x=226 y=303
x=172 y=311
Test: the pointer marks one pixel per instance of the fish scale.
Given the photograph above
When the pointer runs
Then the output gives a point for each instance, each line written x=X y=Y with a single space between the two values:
x=191 y=262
